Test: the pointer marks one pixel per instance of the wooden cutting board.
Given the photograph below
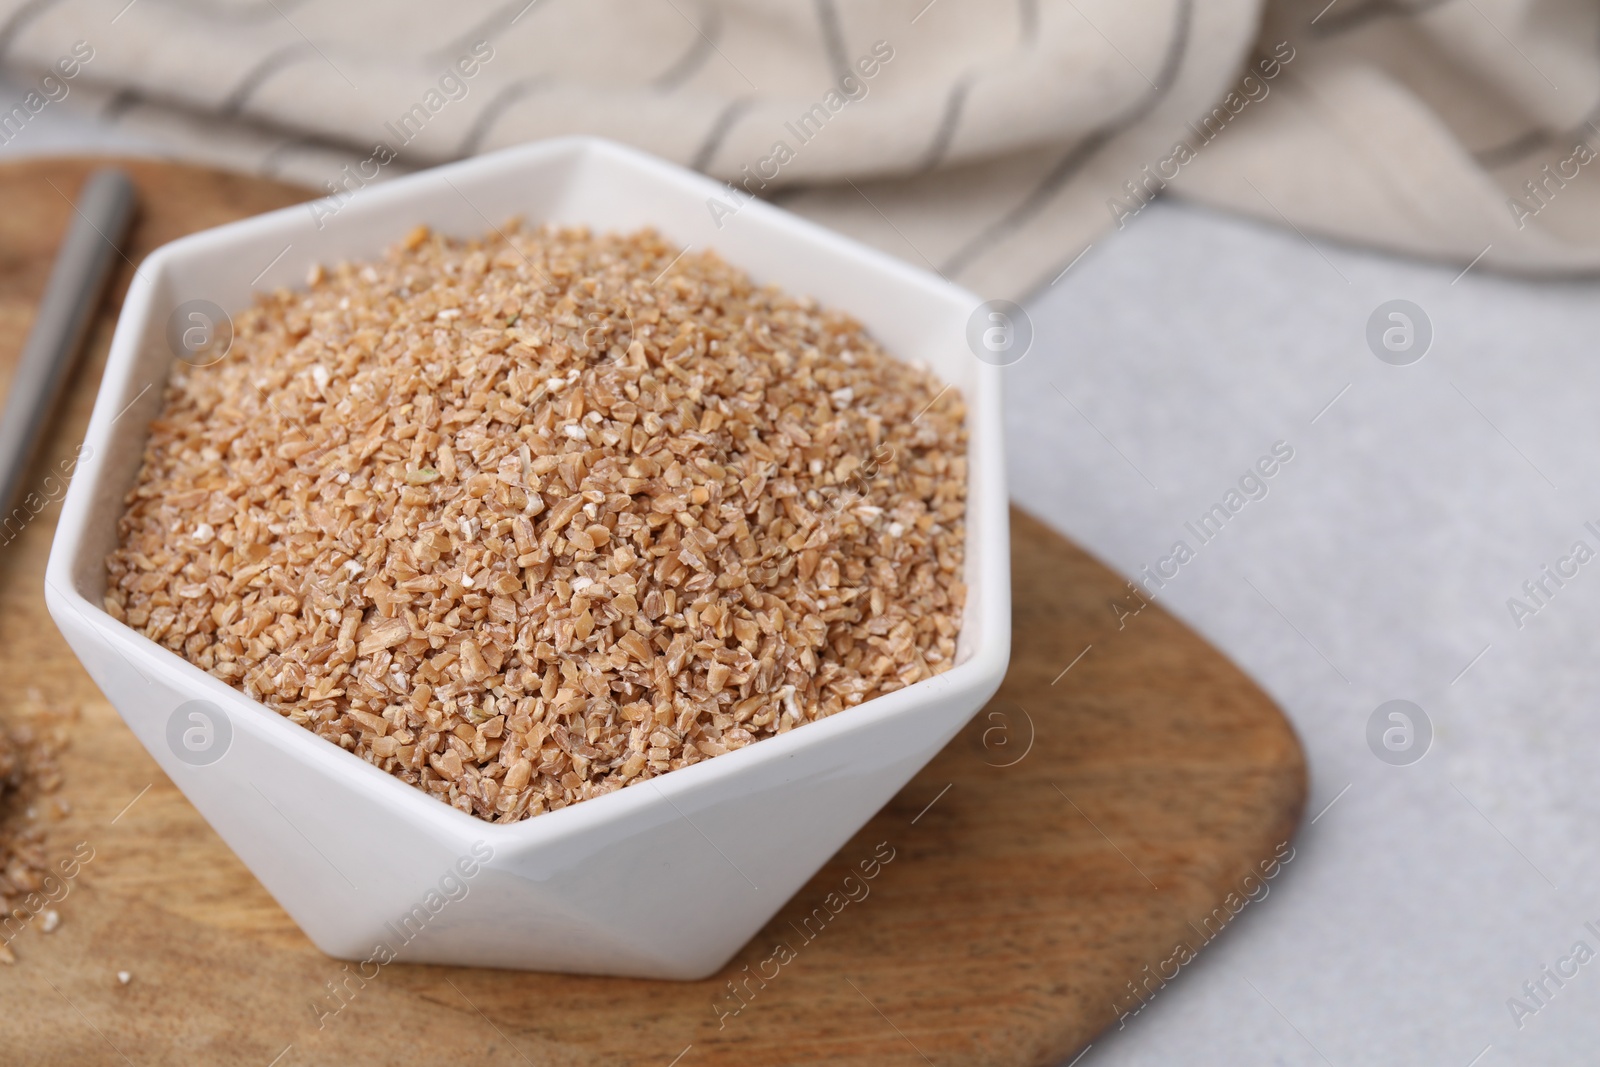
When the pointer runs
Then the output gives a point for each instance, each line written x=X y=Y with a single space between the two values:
x=1096 y=816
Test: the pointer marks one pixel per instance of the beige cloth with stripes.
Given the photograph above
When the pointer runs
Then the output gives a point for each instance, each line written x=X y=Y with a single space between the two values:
x=992 y=142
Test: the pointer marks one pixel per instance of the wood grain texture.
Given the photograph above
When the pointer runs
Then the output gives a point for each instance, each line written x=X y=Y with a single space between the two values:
x=1075 y=833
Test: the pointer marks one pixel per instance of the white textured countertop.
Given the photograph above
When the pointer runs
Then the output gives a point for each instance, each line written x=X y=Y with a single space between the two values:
x=1378 y=566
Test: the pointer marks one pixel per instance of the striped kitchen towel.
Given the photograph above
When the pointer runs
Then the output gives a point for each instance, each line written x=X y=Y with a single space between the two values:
x=992 y=142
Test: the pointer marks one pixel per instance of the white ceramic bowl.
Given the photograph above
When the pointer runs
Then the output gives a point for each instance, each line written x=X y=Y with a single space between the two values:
x=664 y=879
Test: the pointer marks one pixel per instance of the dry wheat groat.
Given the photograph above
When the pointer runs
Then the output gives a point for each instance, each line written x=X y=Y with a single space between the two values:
x=31 y=739
x=525 y=519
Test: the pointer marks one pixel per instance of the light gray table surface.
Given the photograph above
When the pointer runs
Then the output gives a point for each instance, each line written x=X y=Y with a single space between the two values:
x=1378 y=566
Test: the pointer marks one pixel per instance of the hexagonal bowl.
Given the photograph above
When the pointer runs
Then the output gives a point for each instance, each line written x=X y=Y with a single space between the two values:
x=664 y=879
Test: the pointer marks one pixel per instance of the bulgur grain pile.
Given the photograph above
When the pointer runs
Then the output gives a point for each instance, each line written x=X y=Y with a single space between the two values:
x=30 y=741
x=525 y=519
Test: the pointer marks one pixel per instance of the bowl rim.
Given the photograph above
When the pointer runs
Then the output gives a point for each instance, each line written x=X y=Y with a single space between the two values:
x=981 y=671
